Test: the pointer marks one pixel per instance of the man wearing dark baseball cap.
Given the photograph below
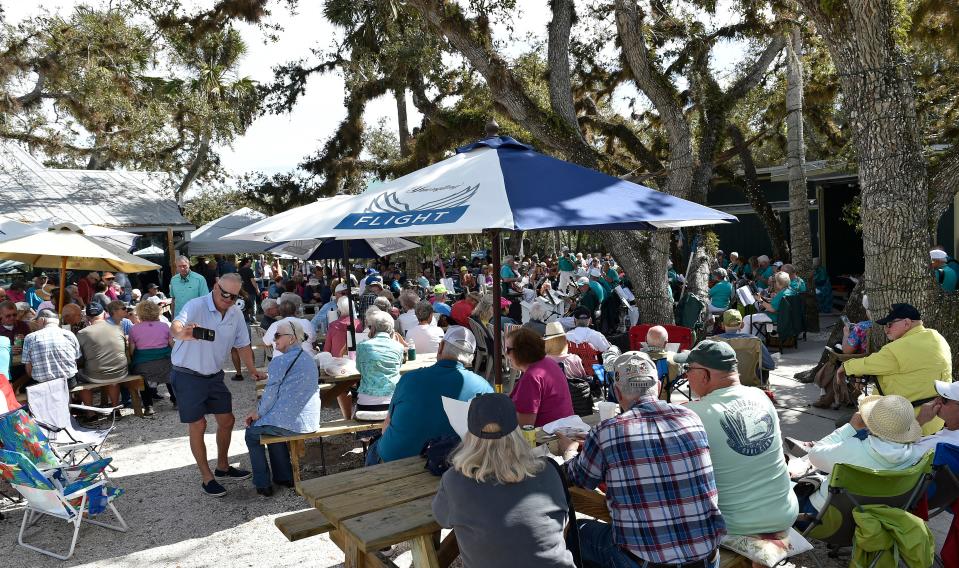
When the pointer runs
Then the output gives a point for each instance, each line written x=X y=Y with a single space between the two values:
x=910 y=364
x=745 y=443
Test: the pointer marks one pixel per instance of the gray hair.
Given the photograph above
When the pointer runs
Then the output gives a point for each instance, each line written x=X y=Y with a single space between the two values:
x=537 y=311
x=383 y=303
x=269 y=303
x=291 y=297
x=47 y=317
x=343 y=305
x=232 y=276
x=484 y=309
x=287 y=309
x=423 y=311
x=657 y=336
x=380 y=322
x=182 y=257
x=408 y=300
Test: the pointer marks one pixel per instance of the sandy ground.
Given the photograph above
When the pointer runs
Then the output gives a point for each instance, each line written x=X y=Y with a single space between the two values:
x=173 y=524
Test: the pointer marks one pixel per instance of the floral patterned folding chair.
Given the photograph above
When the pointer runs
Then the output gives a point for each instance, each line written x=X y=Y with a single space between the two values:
x=68 y=493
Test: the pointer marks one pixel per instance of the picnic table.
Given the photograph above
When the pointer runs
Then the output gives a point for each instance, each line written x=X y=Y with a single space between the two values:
x=386 y=504
x=344 y=383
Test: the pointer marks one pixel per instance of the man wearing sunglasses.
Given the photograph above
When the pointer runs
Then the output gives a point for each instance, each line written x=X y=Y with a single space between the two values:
x=910 y=364
x=197 y=374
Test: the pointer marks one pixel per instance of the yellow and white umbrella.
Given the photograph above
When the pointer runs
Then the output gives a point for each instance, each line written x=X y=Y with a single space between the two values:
x=66 y=246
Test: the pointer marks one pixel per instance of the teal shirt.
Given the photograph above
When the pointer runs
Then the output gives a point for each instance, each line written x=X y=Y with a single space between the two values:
x=720 y=293
x=599 y=289
x=378 y=360
x=797 y=285
x=565 y=264
x=506 y=272
x=612 y=277
x=777 y=301
x=762 y=281
x=947 y=278
x=182 y=290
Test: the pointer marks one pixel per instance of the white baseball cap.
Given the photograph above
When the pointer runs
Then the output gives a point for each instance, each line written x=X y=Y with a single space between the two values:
x=461 y=338
x=937 y=254
x=948 y=390
x=341 y=287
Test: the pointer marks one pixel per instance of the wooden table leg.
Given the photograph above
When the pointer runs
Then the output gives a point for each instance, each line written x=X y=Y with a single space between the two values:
x=355 y=558
x=424 y=555
x=449 y=550
x=297 y=449
x=135 y=398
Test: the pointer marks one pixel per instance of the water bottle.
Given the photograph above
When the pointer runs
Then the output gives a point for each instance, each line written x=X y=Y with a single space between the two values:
x=411 y=352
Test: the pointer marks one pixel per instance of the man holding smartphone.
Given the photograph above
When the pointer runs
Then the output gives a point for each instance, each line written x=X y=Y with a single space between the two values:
x=205 y=330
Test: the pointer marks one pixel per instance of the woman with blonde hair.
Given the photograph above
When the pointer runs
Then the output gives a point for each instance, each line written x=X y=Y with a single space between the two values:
x=150 y=345
x=507 y=507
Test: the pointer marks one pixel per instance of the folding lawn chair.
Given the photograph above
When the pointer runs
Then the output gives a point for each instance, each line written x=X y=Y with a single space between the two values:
x=71 y=494
x=49 y=403
x=749 y=357
x=944 y=488
x=851 y=487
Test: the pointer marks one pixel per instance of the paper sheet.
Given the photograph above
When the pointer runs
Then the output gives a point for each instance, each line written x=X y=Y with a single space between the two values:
x=457 y=412
x=572 y=422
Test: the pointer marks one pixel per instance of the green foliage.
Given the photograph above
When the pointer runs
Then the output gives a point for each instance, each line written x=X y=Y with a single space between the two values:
x=212 y=203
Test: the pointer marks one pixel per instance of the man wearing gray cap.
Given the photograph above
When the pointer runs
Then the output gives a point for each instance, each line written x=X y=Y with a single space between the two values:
x=745 y=443
x=654 y=459
x=416 y=410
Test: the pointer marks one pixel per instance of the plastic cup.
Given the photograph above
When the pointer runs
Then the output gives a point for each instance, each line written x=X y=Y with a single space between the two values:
x=607 y=409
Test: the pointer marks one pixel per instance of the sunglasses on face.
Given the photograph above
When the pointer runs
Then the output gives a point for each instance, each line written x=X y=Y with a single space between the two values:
x=890 y=324
x=227 y=296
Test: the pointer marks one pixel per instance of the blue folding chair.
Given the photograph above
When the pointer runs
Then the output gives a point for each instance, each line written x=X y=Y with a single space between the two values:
x=944 y=489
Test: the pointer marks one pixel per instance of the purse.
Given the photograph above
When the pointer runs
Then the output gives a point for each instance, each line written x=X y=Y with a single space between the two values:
x=437 y=451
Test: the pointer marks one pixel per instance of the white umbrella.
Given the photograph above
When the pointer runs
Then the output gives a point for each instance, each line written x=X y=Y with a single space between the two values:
x=208 y=238
x=67 y=246
x=10 y=229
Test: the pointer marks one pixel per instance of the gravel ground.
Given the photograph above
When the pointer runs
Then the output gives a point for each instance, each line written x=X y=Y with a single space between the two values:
x=173 y=524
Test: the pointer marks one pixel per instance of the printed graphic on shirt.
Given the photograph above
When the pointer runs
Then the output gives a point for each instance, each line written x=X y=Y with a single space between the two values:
x=748 y=427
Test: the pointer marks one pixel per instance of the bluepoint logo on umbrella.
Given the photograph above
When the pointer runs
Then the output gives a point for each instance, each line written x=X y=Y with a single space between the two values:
x=421 y=205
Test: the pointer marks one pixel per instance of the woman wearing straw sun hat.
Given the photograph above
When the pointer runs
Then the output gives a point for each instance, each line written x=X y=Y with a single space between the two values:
x=892 y=430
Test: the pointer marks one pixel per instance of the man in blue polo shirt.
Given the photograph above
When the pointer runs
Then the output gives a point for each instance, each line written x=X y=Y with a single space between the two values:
x=197 y=373
x=186 y=284
x=416 y=409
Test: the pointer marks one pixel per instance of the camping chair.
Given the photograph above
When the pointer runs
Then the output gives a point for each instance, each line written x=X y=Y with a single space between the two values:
x=674 y=334
x=790 y=321
x=71 y=494
x=6 y=356
x=851 y=487
x=691 y=313
x=944 y=488
x=671 y=385
x=749 y=357
x=482 y=360
x=588 y=354
x=49 y=403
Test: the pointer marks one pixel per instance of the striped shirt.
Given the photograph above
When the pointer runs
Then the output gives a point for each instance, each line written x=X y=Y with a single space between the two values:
x=660 y=490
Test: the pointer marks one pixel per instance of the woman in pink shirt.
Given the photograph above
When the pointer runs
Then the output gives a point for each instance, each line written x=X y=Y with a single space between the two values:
x=150 y=347
x=541 y=394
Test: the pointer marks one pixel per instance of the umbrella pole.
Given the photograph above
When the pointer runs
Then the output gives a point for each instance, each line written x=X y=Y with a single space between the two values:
x=497 y=327
x=63 y=281
x=351 y=327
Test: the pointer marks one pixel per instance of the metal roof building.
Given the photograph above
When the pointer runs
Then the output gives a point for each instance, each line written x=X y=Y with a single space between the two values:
x=133 y=201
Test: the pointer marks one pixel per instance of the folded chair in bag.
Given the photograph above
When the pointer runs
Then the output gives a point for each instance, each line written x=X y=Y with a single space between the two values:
x=49 y=403
x=790 y=321
x=851 y=487
x=482 y=359
x=71 y=494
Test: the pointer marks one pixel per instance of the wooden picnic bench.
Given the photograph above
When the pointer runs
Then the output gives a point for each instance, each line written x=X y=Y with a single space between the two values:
x=134 y=384
x=368 y=509
x=297 y=442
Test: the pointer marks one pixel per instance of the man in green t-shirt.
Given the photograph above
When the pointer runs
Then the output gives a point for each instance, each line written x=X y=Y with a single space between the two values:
x=566 y=270
x=745 y=444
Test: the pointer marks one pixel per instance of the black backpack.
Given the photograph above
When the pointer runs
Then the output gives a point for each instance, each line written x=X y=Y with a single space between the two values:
x=579 y=391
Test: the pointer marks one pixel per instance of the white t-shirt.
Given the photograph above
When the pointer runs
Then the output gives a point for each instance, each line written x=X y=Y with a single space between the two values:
x=307 y=345
x=426 y=337
x=585 y=334
x=944 y=436
x=406 y=321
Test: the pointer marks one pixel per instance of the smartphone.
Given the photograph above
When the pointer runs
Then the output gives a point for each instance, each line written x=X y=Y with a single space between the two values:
x=204 y=334
x=845 y=320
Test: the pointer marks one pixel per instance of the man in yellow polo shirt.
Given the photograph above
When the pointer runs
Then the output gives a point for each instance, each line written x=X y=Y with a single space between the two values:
x=910 y=364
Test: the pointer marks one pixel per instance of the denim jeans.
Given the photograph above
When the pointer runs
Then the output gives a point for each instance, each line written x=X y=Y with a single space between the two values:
x=372 y=455
x=598 y=549
x=279 y=456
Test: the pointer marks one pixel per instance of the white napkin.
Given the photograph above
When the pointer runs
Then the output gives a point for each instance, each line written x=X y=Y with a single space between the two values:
x=570 y=422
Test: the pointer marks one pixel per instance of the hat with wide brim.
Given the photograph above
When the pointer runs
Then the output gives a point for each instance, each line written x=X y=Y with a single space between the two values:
x=554 y=329
x=890 y=417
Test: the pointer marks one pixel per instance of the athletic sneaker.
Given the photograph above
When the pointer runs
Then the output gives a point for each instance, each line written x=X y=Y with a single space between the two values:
x=233 y=473
x=213 y=488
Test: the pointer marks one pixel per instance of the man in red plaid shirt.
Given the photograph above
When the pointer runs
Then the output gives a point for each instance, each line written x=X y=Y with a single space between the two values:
x=654 y=460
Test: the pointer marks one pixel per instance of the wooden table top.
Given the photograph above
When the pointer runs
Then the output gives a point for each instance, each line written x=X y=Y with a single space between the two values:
x=420 y=362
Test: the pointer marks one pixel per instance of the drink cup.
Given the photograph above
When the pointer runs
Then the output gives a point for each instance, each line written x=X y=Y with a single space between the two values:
x=607 y=409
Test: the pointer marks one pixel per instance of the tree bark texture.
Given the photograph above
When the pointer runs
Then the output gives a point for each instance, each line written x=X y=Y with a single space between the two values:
x=402 y=121
x=647 y=252
x=894 y=184
x=800 y=244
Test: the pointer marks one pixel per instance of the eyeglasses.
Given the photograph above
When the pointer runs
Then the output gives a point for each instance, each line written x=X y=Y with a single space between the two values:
x=226 y=295
x=889 y=324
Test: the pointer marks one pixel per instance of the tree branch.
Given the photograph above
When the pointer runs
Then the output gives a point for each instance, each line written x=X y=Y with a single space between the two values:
x=755 y=72
x=466 y=36
x=560 y=87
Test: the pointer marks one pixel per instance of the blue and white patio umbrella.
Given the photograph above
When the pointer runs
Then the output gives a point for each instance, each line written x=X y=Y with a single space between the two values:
x=494 y=184
x=498 y=183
